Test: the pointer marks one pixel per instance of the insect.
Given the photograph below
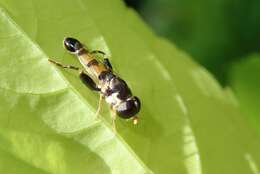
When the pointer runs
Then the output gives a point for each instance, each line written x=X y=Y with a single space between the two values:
x=99 y=76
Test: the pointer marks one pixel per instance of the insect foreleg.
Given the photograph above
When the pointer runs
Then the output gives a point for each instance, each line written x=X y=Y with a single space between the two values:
x=101 y=97
x=113 y=117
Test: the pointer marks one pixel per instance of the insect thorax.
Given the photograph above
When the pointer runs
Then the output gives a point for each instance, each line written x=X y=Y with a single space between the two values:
x=114 y=88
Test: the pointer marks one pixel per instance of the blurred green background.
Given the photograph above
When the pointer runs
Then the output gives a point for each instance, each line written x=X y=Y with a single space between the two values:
x=223 y=36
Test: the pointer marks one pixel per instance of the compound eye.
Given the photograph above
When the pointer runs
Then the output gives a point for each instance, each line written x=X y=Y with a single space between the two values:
x=72 y=45
x=129 y=108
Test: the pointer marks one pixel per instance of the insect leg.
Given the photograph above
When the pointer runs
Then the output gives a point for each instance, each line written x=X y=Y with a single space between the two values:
x=63 y=66
x=82 y=75
x=85 y=79
x=105 y=61
x=88 y=81
x=113 y=116
x=101 y=97
x=98 y=52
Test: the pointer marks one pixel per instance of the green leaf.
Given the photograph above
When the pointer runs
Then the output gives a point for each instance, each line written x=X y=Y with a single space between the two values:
x=188 y=123
x=244 y=79
x=215 y=33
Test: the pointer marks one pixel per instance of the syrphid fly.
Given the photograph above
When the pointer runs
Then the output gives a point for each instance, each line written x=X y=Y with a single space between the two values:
x=99 y=76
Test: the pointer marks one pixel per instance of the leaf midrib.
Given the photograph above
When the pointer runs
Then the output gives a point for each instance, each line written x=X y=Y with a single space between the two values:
x=75 y=91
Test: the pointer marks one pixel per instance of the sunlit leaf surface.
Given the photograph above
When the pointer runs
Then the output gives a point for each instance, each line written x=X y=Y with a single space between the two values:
x=188 y=123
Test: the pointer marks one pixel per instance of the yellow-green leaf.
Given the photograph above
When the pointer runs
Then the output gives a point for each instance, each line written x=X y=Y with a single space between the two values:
x=188 y=123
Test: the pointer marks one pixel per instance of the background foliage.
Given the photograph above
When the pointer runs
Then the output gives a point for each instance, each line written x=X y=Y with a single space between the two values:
x=220 y=35
x=189 y=123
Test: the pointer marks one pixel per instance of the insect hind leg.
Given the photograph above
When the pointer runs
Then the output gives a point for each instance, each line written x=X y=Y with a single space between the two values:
x=105 y=61
x=82 y=75
x=88 y=81
x=64 y=66
x=92 y=85
x=98 y=52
